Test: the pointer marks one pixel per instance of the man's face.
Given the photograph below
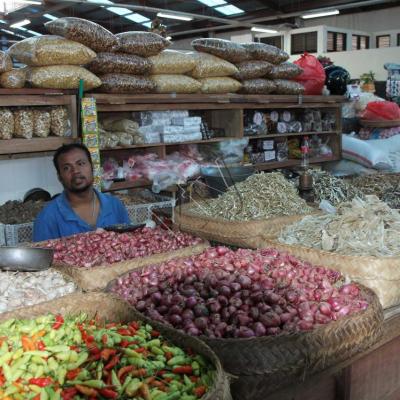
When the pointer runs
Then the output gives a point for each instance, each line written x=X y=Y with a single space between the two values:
x=76 y=173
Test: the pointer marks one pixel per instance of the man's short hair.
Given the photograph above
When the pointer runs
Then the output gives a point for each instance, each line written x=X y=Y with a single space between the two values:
x=66 y=148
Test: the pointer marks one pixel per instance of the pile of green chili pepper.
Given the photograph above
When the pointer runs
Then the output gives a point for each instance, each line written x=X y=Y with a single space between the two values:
x=52 y=358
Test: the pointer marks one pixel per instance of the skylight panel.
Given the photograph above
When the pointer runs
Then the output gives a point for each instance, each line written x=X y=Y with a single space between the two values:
x=34 y=33
x=49 y=16
x=136 y=17
x=229 y=10
x=100 y=1
x=212 y=3
x=119 y=10
x=147 y=24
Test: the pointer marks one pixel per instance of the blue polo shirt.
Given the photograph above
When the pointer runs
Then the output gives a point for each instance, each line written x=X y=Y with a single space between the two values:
x=58 y=219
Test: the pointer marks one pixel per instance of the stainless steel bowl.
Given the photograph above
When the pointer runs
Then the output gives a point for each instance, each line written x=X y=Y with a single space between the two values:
x=25 y=258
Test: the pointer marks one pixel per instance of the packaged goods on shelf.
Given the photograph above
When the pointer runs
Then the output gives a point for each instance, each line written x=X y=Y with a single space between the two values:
x=23 y=123
x=41 y=123
x=109 y=63
x=175 y=84
x=225 y=49
x=14 y=79
x=258 y=86
x=149 y=135
x=284 y=71
x=283 y=86
x=208 y=66
x=186 y=121
x=172 y=62
x=6 y=123
x=83 y=31
x=231 y=151
x=181 y=137
x=120 y=124
x=266 y=52
x=141 y=43
x=252 y=69
x=124 y=83
x=5 y=62
x=60 y=123
x=62 y=77
x=46 y=50
x=222 y=84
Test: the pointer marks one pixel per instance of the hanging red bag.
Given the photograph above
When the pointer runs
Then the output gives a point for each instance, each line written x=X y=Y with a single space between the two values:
x=381 y=110
x=313 y=75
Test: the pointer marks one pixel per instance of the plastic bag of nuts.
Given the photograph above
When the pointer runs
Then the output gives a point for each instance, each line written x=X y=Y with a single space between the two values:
x=172 y=62
x=252 y=69
x=208 y=66
x=175 y=84
x=83 y=31
x=23 y=123
x=258 y=86
x=141 y=43
x=6 y=123
x=123 y=83
x=285 y=71
x=14 y=79
x=119 y=63
x=59 y=125
x=266 y=52
x=283 y=86
x=230 y=51
x=222 y=84
x=5 y=62
x=41 y=123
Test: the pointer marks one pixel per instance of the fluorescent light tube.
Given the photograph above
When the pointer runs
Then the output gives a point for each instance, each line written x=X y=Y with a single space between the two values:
x=49 y=16
x=320 y=14
x=264 y=30
x=136 y=17
x=30 y=2
x=173 y=16
x=21 y=23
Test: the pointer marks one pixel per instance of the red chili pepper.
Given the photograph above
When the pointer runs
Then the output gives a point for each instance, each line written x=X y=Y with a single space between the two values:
x=112 y=325
x=104 y=339
x=154 y=333
x=124 y=343
x=168 y=355
x=124 y=332
x=199 y=391
x=94 y=357
x=114 y=361
x=59 y=322
x=69 y=393
x=161 y=372
x=41 y=382
x=140 y=350
x=40 y=345
x=93 y=349
x=109 y=394
x=73 y=373
x=87 y=391
x=89 y=339
x=139 y=373
x=184 y=369
x=75 y=348
x=135 y=325
x=107 y=353
x=37 y=397
x=194 y=378
x=124 y=370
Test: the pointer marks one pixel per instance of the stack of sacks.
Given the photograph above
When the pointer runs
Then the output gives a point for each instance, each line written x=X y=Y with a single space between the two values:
x=7 y=71
x=214 y=65
x=168 y=72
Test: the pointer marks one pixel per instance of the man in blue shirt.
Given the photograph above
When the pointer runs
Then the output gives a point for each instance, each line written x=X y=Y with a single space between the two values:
x=80 y=208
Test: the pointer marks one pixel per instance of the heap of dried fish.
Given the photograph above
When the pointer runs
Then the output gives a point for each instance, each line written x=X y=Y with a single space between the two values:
x=260 y=196
x=392 y=197
x=359 y=228
x=335 y=190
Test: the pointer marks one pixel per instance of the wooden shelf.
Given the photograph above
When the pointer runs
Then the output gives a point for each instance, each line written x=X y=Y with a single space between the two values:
x=124 y=185
x=14 y=146
x=281 y=135
x=291 y=163
x=36 y=91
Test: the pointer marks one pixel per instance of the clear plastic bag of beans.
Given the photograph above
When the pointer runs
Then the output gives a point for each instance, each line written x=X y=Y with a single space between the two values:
x=14 y=79
x=172 y=62
x=123 y=83
x=285 y=71
x=175 y=84
x=51 y=50
x=225 y=49
x=119 y=63
x=83 y=31
x=5 y=62
x=222 y=84
x=6 y=123
x=62 y=77
x=208 y=66
x=23 y=123
x=258 y=86
x=141 y=43
x=41 y=123
x=252 y=69
x=266 y=52
x=60 y=123
x=283 y=86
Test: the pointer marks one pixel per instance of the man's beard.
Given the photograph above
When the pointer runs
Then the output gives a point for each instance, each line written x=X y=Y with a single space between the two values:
x=81 y=189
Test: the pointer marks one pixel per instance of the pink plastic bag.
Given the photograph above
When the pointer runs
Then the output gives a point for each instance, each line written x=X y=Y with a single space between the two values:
x=381 y=110
x=313 y=75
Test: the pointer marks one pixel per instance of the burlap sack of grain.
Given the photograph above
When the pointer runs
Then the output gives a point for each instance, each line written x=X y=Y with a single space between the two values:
x=45 y=50
x=62 y=77
x=141 y=43
x=222 y=84
x=258 y=86
x=266 y=52
x=225 y=49
x=6 y=123
x=172 y=62
x=5 y=62
x=208 y=66
x=285 y=71
x=23 y=123
x=41 y=123
x=119 y=63
x=123 y=83
x=252 y=69
x=83 y=31
x=14 y=79
x=283 y=86
x=175 y=84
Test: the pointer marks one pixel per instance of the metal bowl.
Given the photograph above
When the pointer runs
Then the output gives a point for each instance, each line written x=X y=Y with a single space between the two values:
x=25 y=258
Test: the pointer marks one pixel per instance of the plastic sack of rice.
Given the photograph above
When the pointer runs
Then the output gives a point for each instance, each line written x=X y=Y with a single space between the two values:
x=45 y=50
x=172 y=62
x=252 y=69
x=230 y=51
x=283 y=86
x=258 y=86
x=119 y=63
x=123 y=83
x=14 y=79
x=6 y=123
x=62 y=77
x=266 y=52
x=208 y=66
x=5 y=62
x=222 y=84
x=41 y=123
x=141 y=43
x=175 y=84
x=83 y=31
x=285 y=71
x=23 y=123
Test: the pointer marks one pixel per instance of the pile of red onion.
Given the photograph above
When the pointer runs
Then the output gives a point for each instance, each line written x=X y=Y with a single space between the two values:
x=245 y=293
x=102 y=247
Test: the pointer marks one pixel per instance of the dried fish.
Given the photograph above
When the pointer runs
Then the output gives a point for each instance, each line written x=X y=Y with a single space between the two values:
x=359 y=228
x=260 y=196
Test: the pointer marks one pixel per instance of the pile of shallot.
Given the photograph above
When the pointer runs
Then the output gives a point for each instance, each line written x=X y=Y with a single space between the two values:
x=103 y=247
x=223 y=293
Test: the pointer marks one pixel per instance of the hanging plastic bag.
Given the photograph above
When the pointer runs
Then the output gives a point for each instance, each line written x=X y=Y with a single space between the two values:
x=313 y=76
x=381 y=110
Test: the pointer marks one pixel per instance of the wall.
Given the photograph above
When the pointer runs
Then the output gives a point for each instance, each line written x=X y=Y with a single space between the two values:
x=20 y=175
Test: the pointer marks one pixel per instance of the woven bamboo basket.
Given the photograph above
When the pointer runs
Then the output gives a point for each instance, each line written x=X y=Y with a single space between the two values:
x=236 y=233
x=382 y=275
x=109 y=308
